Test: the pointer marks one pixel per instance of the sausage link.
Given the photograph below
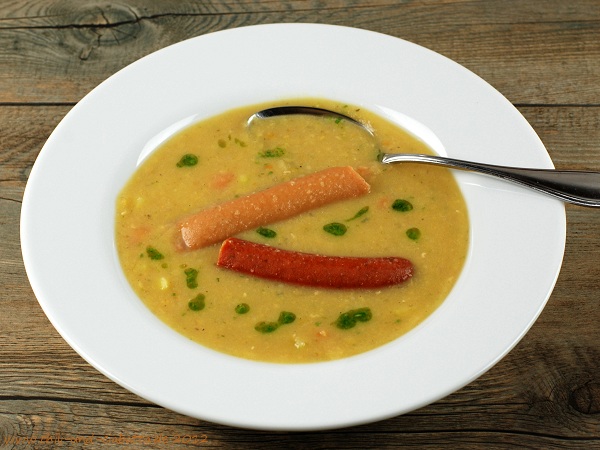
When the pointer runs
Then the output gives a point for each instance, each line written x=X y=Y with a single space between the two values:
x=276 y=203
x=311 y=269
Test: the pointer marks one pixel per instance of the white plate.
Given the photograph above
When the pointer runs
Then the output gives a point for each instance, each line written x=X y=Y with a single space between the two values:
x=517 y=237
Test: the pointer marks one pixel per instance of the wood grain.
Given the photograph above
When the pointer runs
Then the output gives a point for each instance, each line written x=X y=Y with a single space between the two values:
x=58 y=51
x=544 y=56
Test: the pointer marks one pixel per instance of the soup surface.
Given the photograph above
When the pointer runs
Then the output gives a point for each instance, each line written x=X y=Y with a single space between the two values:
x=412 y=211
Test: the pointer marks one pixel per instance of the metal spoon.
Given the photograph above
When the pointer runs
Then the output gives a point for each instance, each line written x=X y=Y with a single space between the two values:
x=572 y=186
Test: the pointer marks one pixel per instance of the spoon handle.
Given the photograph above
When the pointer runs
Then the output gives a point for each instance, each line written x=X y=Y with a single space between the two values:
x=577 y=187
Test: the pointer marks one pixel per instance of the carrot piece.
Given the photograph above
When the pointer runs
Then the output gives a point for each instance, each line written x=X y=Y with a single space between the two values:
x=310 y=269
x=276 y=203
x=137 y=235
x=222 y=180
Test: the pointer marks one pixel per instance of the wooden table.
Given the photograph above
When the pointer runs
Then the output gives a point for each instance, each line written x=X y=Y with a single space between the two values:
x=544 y=56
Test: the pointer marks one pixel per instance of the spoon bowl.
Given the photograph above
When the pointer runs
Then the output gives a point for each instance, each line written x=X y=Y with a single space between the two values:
x=307 y=110
x=571 y=186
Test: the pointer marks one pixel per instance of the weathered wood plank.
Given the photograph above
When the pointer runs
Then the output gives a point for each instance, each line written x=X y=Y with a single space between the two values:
x=571 y=135
x=51 y=13
x=533 y=54
x=41 y=13
x=56 y=424
x=23 y=131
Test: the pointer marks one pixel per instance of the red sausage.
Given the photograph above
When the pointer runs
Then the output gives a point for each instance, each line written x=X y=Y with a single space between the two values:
x=310 y=269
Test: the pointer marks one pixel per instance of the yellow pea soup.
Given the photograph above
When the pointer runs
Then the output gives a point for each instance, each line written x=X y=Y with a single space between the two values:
x=412 y=211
